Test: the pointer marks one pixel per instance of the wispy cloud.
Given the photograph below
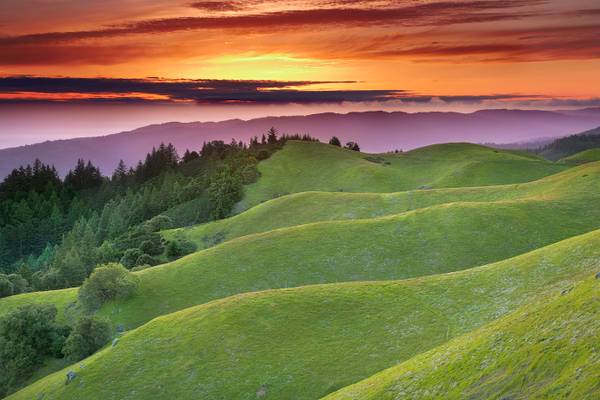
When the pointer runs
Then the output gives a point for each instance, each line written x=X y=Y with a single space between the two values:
x=426 y=14
x=69 y=89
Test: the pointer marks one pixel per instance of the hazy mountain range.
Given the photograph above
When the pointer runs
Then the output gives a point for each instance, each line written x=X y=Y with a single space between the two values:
x=375 y=132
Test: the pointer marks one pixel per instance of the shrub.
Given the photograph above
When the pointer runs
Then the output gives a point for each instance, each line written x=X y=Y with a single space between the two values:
x=152 y=248
x=179 y=248
x=89 y=334
x=6 y=286
x=262 y=155
x=146 y=259
x=107 y=282
x=19 y=283
x=335 y=141
x=159 y=223
x=27 y=336
x=130 y=257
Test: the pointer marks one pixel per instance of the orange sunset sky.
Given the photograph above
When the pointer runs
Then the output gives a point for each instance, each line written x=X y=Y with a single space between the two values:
x=305 y=55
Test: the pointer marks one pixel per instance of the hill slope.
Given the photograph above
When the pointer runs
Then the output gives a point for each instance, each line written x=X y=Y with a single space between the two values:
x=548 y=350
x=582 y=157
x=304 y=166
x=577 y=184
x=307 y=342
x=456 y=236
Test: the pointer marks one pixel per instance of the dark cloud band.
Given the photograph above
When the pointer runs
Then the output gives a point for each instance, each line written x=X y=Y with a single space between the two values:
x=151 y=90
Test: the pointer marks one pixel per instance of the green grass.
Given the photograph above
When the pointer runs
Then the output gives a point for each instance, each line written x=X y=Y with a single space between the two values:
x=307 y=207
x=307 y=342
x=436 y=239
x=63 y=300
x=544 y=351
x=307 y=166
x=585 y=156
x=323 y=237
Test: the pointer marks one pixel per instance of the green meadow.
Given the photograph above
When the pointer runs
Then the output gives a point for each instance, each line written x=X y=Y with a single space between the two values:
x=350 y=275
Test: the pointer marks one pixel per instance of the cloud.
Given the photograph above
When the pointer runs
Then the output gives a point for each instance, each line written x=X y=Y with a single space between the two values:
x=205 y=91
x=421 y=14
x=217 y=5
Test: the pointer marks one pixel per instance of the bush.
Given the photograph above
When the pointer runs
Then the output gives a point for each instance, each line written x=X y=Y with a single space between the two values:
x=262 y=155
x=90 y=334
x=19 y=283
x=335 y=141
x=107 y=282
x=27 y=336
x=179 y=248
x=6 y=286
x=152 y=248
x=159 y=223
x=145 y=259
x=130 y=257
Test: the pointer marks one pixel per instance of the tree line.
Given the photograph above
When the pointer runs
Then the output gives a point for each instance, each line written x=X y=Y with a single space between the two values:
x=53 y=231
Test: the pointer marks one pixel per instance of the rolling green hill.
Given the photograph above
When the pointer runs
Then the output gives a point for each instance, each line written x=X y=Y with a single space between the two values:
x=430 y=240
x=307 y=207
x=544 y=351
x=585 y=156
x=332 y=237
x=307 y=166
x=310 y=341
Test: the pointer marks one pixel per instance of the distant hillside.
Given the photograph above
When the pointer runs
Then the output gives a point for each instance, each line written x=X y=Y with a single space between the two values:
x=570 y=145
x=375 y=131
x=303 y=166
x=582 y=157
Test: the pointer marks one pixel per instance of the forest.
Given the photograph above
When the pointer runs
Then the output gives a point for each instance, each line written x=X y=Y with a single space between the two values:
x=53 y=231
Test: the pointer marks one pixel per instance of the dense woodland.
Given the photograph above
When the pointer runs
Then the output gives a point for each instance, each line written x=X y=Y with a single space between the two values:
x=569 y=145
x=54 y=231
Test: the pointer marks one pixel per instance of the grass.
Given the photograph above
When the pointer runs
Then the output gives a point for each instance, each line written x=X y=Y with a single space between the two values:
x=308 y=207
x=307 y=166
x=307 y=342
x=548 y=350
x=437 y=239
x=585 y=156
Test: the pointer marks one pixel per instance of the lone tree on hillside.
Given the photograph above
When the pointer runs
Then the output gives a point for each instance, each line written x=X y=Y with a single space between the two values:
x=352 y=146
x=335 y=141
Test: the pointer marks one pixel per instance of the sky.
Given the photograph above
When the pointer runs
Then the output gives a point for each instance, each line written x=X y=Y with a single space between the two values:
x=76 y=68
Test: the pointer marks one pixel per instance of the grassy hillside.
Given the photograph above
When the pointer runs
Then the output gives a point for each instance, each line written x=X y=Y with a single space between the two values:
x=585 y=156
x=306 y=166
x=307 y=342
x=432 y=240
x=440 y=238
x=307 y=207
x=549 y=350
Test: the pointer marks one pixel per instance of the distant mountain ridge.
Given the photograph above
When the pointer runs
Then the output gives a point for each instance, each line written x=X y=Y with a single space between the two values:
x=376 y=131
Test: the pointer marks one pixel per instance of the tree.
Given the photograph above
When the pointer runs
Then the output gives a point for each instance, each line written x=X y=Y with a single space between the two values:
x=120 y=173
x=130 y=257
x=179 y=247
x=89 y=334
x=352 y=146
x=272 y=135
x=146 y=259
x=27 y=335
x=224 y=191
x=190 y=156
x=335 y=141
x=107 y=282
x=18 y=282
x=6 y=286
